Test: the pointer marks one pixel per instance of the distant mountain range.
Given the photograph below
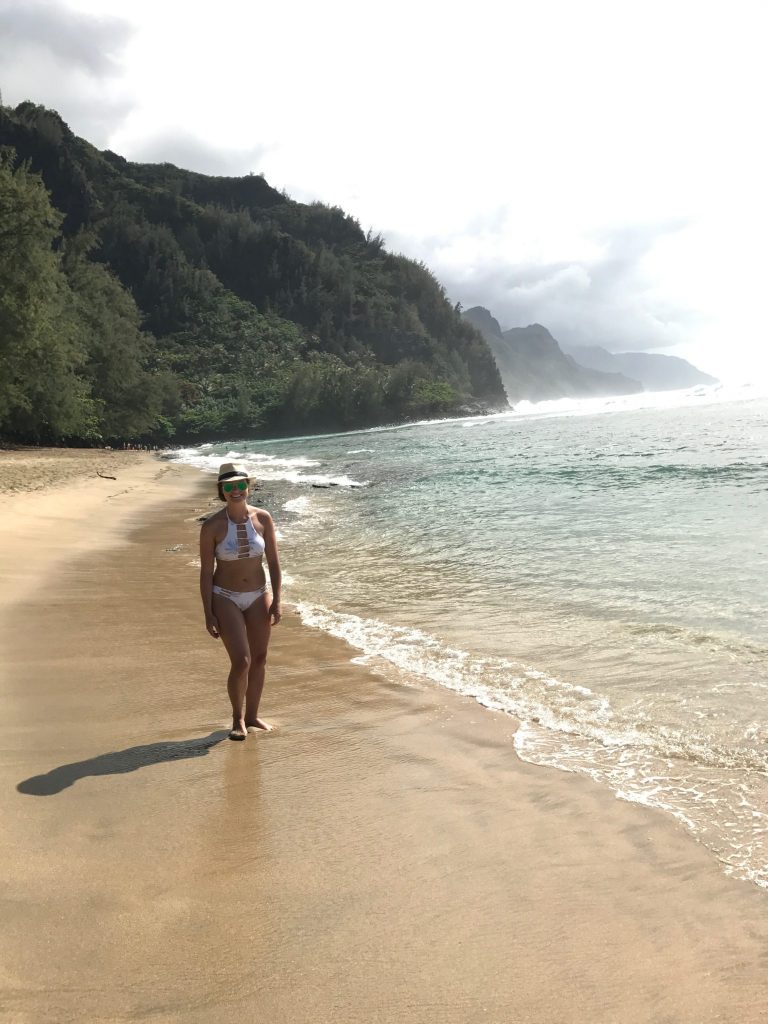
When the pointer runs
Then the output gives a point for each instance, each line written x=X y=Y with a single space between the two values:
x=535 y=367
x=655 y=372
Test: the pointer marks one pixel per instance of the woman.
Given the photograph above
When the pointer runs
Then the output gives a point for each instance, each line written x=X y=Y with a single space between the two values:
x=236 y=600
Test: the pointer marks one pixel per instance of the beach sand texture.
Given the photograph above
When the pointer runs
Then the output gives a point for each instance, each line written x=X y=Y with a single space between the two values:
x=382 y=856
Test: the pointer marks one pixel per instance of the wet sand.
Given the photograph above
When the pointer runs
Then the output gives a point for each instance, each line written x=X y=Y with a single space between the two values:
x=382 y=856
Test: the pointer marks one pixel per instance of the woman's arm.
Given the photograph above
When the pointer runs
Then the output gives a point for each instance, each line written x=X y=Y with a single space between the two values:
x=273 y=561
x=207 y=557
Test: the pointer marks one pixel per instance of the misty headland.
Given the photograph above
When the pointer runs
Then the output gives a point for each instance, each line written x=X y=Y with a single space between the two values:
x=535 y=367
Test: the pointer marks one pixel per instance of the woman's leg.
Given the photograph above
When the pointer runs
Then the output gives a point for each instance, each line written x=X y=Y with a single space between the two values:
x=235 y=638
x=258 y=628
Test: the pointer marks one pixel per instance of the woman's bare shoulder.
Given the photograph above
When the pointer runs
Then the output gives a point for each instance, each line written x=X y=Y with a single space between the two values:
x=211 y=522
x=261 y=514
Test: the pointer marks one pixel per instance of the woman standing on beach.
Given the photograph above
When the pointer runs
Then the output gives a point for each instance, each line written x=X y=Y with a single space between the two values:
x=236 y=599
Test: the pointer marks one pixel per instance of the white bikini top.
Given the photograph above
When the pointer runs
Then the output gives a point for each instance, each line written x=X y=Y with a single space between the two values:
x=243 y=540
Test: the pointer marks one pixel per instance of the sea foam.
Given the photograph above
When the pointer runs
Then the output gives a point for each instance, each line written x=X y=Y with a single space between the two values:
x=717 y=792
x=264 y=467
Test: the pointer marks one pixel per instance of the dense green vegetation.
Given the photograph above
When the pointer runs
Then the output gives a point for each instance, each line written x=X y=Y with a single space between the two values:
x=145 y=302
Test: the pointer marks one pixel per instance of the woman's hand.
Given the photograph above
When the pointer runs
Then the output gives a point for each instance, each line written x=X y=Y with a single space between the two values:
x=212 y=625
x=275 y=613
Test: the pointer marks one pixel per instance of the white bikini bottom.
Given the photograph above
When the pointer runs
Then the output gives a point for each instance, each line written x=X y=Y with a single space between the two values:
x=242 y=598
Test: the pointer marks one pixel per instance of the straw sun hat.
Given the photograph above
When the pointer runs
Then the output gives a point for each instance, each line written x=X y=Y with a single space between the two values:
x=229 y=471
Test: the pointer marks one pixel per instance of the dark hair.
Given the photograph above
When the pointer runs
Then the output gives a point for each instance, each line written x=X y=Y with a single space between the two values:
x=221 y=493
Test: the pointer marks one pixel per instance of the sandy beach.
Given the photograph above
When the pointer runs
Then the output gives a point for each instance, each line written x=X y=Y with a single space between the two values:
x=381 y=856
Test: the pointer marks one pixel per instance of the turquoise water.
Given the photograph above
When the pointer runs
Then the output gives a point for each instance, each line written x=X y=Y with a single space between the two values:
x=596 y=568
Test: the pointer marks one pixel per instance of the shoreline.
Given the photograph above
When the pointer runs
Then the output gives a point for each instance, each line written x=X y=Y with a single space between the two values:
x=382 y=855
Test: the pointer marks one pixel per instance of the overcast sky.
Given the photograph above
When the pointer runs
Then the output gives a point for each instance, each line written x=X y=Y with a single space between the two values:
x=598 y=167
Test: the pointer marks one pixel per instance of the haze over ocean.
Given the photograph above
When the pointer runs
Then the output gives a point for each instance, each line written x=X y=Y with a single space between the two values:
x=596 y=568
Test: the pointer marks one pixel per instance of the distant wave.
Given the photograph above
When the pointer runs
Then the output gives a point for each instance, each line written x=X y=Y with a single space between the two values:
x=264 y=467
x=700 y=395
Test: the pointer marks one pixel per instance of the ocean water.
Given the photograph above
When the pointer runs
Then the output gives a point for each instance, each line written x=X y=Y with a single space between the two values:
x=597 y=568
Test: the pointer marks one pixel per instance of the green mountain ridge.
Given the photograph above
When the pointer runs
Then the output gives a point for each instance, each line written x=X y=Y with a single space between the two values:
x=149 y=302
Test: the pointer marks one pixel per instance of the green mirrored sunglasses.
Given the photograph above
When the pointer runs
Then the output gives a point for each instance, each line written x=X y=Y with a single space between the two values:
x=241 y=485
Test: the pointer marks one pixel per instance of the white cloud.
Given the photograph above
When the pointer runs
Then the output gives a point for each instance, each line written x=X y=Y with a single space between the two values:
x=78 y=40
x=604 y=296
x=601 y=164
x=65 y=59
x=192 y=153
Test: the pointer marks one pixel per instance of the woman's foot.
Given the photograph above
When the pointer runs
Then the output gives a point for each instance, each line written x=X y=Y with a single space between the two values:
x=239 y=731
x=258 y=725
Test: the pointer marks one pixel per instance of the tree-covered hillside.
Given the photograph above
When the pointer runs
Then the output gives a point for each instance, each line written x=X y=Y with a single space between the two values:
x=141 y=301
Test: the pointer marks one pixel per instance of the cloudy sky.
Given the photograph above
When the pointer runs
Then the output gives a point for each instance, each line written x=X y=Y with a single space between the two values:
x=598 y=167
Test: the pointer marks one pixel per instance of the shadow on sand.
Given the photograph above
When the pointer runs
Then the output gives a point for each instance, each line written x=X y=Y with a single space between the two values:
x=118 y=762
